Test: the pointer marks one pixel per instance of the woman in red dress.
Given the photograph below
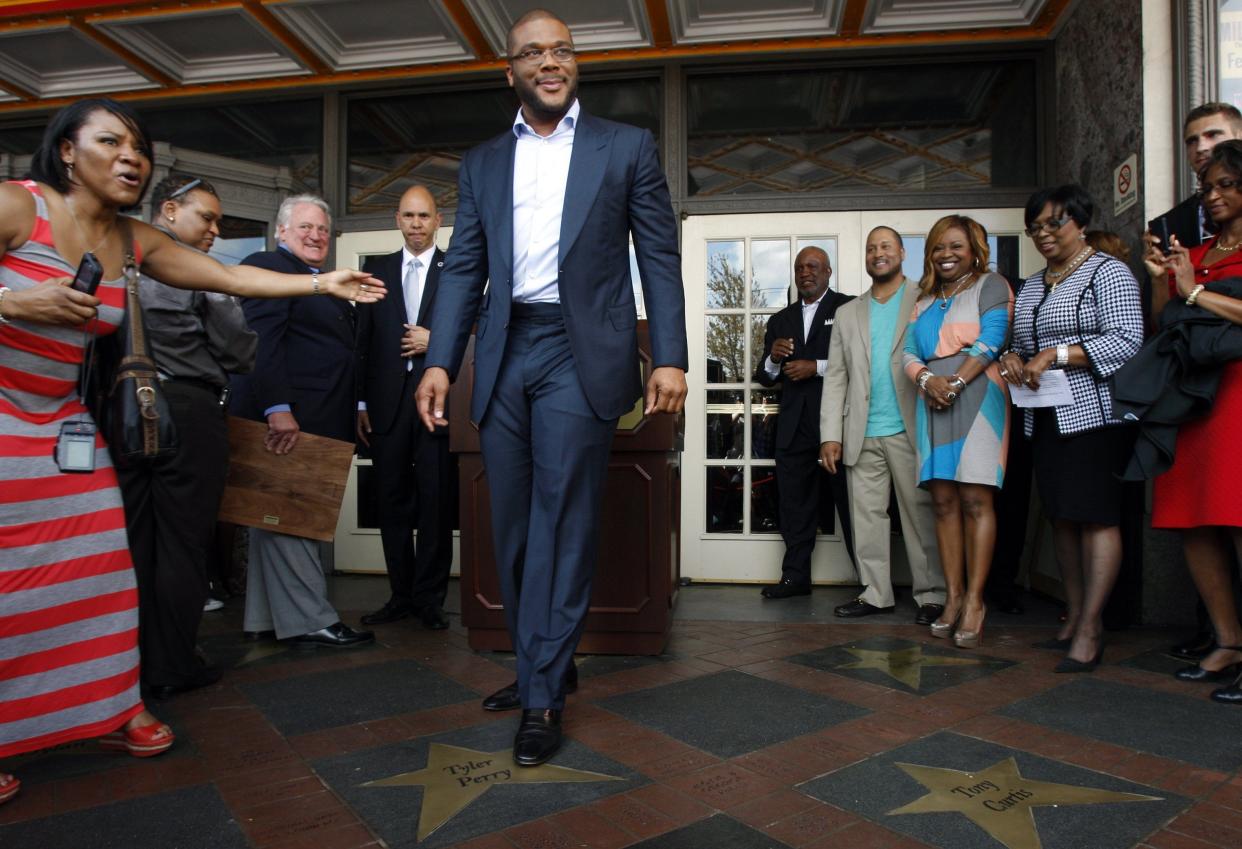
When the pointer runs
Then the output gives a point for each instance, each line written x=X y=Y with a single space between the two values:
x=1201 y=494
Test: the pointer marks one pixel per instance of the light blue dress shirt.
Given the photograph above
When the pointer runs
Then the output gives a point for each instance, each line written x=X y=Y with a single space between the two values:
x=540 y=172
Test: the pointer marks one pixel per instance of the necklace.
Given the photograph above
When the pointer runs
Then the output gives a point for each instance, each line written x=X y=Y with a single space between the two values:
x=1225 y=249
x=82 y=233
x=1055 y=278
x=957 y=286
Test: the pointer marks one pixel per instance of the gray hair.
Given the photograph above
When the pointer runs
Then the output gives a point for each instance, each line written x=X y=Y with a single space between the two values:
x=286 y=208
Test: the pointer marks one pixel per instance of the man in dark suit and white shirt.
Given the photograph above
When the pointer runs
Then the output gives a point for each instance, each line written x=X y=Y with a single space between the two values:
x=303 y=380
x=546 y=211
x=795 y=353
x=413 y=468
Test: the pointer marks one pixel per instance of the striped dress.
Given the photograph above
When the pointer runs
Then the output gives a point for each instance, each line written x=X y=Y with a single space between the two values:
x=68 y=598
x=967 y=442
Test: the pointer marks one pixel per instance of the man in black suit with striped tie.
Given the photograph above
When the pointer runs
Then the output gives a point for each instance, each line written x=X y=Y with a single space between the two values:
x=413 y=469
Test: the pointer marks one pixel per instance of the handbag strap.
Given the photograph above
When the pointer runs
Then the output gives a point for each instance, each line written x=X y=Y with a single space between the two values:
x=137 y=328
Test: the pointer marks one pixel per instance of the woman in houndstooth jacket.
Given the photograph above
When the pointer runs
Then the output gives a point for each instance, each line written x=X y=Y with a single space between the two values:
x=1080 y=314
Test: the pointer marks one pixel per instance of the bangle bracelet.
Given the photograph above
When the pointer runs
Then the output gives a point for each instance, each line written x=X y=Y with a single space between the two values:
x=315 y=290
x=956 y=381
x=1194 y=295
x=4 y=290
x=1062 y=355
x=924 y=376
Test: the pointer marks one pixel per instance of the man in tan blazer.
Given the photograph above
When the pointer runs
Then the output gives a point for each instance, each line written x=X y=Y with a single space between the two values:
x=867 y=424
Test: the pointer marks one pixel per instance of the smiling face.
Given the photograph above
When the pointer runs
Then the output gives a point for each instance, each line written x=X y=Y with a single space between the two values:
x=418 y=219
x=545 y=86
x=109 y=160
x=1059 y=246
x=884 y=255
x=812 y=271
x=197 y=221
x=307 y=234
x=1223 y=202
x=951 y=255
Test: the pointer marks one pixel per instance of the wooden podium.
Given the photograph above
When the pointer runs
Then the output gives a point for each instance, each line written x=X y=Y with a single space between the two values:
x=636 y=578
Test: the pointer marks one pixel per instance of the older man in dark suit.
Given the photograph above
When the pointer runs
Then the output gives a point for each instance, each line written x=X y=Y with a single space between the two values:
x=795 y=354
x=303 y=380
x=413 y=468
x=546 y=212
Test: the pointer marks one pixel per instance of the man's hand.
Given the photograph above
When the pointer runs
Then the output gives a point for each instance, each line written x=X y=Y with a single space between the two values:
x=666 y=391
x=363 y=428
x=282 y=433
x=800 y=369
x=415 y=340
x=782 y=348
x=829 y=456
x=432 y=396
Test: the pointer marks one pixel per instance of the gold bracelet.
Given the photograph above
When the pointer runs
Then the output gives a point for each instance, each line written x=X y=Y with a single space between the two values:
x=1194 y=295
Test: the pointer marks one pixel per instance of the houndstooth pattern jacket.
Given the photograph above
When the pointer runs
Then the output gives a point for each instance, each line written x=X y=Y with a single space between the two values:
x=1098 y=307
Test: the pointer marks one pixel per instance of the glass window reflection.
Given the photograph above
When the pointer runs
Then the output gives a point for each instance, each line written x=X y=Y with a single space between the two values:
x=725 y=485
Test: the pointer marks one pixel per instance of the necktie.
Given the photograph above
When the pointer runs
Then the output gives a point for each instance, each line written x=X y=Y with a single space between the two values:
x=410 y=288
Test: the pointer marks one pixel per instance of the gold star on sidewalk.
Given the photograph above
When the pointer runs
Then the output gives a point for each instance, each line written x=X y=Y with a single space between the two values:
x=905 y=665
x=999 y=799
x=454 y=777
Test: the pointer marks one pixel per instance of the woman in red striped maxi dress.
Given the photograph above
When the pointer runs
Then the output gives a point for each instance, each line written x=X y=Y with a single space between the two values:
x=68 y=600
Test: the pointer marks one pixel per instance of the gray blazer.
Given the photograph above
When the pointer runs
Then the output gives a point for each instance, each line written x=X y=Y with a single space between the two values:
x=846 y=400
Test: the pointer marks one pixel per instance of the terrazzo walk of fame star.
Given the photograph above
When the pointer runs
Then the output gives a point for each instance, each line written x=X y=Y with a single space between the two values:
x=902 y=664
x=1000 y=799
x=455 y=776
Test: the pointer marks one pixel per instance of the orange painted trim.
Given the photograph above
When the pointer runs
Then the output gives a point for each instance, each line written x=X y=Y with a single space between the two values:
x=307 y=57
x=121 y=52
x=852 y=17
x=469 y=29
x=661 y=28
x=13 y=8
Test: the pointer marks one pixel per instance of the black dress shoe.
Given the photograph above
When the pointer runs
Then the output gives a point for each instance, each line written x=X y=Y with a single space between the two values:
x=1198 y=673
x=336 y=636
x=433 y=618
x=1196 y=648
x=1231 y=695
x=538 y=737
x=256 y=636
x=506 y=698
x=928 y=613
x=392 y=611
x=785 y=589
x=205 y=676
x=858 y=607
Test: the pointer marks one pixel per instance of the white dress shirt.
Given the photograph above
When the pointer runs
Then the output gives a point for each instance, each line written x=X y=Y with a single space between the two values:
x=413 y=294
x=540 y=171
x=808 y=318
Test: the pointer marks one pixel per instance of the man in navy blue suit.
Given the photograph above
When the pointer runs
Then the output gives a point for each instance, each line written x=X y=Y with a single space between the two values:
x=545 y=212
x=414 y=471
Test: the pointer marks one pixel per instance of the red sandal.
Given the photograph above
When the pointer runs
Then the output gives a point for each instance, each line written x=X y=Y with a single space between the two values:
x=9 y=785
x=144 y=742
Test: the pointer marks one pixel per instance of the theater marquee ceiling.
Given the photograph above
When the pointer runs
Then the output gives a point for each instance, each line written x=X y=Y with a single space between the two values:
x=52 y=52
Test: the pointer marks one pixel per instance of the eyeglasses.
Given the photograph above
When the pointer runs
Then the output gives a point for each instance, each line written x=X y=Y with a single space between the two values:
x=1050 y=226
x=1224 y=185
x=533 y=55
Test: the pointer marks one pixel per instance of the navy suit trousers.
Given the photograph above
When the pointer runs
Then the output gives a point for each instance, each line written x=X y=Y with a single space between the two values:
x=546 y=456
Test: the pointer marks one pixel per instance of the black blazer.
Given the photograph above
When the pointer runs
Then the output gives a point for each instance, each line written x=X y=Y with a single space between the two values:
x=305 y=356
x=381 y=369
x=799 y=398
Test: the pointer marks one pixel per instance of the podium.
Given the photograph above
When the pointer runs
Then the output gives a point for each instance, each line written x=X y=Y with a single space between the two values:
x=636 y=578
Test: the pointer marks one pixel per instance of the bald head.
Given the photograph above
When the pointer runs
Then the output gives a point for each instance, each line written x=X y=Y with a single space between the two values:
x=418 y=219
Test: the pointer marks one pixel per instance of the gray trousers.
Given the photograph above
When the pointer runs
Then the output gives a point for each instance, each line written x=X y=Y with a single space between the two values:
x=883 y=462
x=285 y=586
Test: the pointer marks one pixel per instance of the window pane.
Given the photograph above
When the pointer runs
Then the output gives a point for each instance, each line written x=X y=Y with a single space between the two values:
x=726 y=426
x=726 y=349
x=916 y=127
x=758 y=327
x=1230 y=57
x=765 y=406
x=726 y=275
x=764 y=515
x=770 y=273
x=724 y=499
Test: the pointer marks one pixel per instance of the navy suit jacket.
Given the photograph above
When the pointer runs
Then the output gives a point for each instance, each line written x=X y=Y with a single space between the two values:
x=305 y=356
x=615 y=189
x=381 y=369
x=799 y=398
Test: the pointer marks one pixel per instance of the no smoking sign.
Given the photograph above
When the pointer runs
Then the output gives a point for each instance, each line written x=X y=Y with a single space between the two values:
x=1125 y=184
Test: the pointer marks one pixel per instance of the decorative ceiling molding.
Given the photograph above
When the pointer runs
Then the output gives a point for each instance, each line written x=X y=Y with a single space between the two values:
x=600 y=25
x=698 y=21
x=918 y=15
x=35 y=62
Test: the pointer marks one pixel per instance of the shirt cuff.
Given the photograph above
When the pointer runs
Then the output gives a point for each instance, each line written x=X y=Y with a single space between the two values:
x=771 y=367
x=278 y=408
x=821 y=366
x=362 y=406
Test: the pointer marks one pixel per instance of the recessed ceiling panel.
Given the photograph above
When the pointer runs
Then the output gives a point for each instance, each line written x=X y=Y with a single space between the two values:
x=598 y=25
x=60 y=62
x=392 y=32
x=928 y=15
x=205 y=47
x=723 y=20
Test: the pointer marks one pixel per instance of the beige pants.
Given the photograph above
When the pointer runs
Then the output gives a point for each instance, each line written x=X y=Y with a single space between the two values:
x=883 y=462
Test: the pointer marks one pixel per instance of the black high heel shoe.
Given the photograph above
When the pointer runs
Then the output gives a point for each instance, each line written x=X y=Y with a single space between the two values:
x=1198 y=673
x=1068 y=664
x=1231 y=695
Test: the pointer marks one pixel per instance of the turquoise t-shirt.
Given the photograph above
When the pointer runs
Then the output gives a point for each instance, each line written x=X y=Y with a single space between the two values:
x=884 y=415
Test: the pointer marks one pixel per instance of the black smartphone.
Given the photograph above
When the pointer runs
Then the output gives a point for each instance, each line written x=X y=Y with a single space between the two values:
x=1159 y=227
x=90 y=272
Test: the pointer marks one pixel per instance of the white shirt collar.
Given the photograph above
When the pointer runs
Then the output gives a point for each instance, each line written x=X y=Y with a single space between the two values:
x=815 y=303
x=566 y=123
x=424 y=257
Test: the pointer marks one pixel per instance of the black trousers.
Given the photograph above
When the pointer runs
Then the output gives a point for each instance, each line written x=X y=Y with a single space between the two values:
x=803 y=488
x=170 y=513
x=416 y=478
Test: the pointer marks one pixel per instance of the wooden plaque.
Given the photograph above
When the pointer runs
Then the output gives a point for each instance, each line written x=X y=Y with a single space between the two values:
x=298 y=493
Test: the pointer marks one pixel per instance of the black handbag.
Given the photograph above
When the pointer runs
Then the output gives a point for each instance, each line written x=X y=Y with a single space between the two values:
x=138 y=423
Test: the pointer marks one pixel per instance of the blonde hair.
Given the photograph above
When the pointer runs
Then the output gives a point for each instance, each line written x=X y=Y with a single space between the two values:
x=975 y=234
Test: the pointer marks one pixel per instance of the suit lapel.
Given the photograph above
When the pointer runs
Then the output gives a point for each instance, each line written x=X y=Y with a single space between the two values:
x=826 y=305
x=498 y=207
x=429 y=287
x=864 y=324
x=909 y=295
x=395 y=281
x=586 y=173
